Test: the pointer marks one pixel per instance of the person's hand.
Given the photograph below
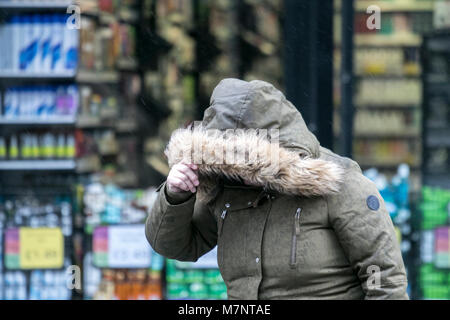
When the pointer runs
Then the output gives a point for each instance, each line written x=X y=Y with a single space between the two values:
x=183 y=177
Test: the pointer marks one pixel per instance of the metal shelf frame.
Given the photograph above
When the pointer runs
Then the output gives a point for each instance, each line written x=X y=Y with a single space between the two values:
x=38 y=165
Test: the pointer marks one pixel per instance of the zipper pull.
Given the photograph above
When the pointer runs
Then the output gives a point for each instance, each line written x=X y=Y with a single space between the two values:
x=293 y=258
x=297 y=213
x=297 y=221
x=224 y=214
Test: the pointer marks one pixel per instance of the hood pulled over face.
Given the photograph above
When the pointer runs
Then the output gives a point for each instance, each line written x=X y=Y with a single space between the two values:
x=238 y=104
x=224 y=147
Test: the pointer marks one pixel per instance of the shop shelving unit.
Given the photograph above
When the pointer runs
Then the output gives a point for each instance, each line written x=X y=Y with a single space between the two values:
x=34 y=121
x=93 y=77
x=368 y=66
x=36 y=5
x=433 y=276
x=126 y=126
x=110 y=80
x=406 y=44
x=38 y=165
x=7 y=76
x=395 y=6
x=33 y=175
x=436 y=115
x=25 y=177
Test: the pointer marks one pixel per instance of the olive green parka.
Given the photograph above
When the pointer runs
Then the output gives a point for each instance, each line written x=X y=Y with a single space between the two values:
x=315 y=229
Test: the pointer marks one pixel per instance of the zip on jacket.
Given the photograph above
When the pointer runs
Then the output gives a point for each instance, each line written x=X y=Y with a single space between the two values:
x=223 y=216
x=295 y=234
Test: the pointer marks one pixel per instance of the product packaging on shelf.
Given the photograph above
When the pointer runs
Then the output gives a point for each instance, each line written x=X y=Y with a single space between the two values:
x=40 y=44
x=120 y=264
x=39 y=145
x=200 y=280
x=35 y=269
x=104 y=48
x=40 y=102
x=434 y=269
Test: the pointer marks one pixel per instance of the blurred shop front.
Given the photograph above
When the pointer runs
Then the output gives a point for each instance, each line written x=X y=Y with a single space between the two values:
x=90 y=91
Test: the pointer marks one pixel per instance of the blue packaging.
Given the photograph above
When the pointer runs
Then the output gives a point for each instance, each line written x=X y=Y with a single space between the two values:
x=24 y=25
x=70 y=46
x=42 y=107
x=16 y=42
x=45 y=44
x=33 y=48
x=50 y=102
x=56 y=47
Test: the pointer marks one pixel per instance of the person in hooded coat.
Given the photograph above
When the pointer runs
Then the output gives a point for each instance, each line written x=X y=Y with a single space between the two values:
x=306 y=226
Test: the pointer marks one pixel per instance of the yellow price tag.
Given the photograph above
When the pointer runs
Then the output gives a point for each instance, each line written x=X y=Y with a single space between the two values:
x=41 y=248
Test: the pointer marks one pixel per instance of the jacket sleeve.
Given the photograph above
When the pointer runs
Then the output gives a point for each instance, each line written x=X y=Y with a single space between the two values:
x=184 y=231
x=366 y=233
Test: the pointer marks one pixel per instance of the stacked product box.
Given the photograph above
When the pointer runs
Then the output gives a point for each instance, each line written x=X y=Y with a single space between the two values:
x=123 y=284
x=39 y=44
x=195 y=281
x=37 y=145
x=34 y=248
x=119 y=263
x=40 y=102
x=434 y=275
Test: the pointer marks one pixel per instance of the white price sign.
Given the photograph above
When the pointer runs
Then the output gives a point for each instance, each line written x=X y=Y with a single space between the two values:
x=128 y=247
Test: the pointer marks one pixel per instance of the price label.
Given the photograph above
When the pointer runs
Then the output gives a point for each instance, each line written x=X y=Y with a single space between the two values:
x=121 y=246
x=442 y=247
x=40 y=248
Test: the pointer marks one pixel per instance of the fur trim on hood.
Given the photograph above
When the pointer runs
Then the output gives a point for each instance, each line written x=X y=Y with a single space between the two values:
x=217 y=154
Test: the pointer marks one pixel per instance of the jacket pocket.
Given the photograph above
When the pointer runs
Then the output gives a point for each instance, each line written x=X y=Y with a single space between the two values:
x=295 y=235
x=232 y=228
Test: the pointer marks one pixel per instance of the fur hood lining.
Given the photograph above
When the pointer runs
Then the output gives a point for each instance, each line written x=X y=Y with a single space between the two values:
x=252 y=157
